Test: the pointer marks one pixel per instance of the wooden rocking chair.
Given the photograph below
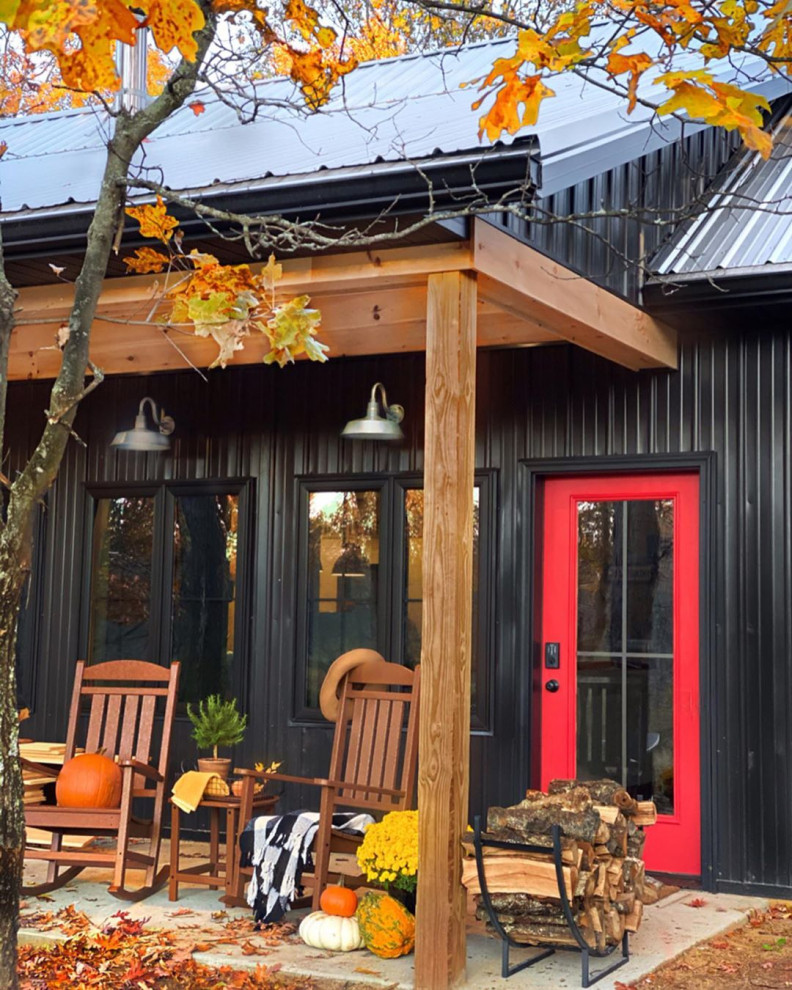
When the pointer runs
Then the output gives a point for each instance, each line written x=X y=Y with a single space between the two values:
x=123 y=697
x=373 y=761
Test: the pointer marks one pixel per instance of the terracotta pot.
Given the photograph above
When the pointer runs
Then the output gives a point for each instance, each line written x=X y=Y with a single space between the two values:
x=221 y=766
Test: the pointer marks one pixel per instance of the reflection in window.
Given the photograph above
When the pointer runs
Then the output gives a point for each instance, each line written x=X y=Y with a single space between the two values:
x=625 y=645
x=123 y=537
x=343 y=585
x=203 y=592
x=412 y=607
x=165 y=584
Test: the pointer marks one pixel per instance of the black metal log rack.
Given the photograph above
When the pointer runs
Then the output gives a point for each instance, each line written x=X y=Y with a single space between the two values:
x=585 y=950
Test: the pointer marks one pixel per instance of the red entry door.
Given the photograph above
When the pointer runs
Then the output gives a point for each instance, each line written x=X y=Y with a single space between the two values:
x=620 y=647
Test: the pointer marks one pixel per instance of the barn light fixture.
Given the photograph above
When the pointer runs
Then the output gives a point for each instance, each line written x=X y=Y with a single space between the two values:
x=376 y=424
x=143 y=437
x=351 y=562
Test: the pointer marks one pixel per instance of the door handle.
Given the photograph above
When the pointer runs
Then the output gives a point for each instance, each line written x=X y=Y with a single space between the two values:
x=552 y=686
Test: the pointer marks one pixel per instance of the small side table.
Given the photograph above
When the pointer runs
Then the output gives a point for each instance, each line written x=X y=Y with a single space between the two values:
x=217 y=872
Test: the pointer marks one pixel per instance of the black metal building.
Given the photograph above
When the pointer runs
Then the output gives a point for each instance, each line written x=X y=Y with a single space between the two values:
x=262 y=444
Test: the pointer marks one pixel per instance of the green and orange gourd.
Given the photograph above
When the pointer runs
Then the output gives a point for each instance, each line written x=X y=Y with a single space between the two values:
x=386 y=926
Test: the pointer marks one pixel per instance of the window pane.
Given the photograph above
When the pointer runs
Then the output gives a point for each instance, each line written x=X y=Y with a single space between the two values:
x=343 y=579
x=599 y=718
x=600 y=543
x=123 y=535
x=203 y=595
x=650 y=568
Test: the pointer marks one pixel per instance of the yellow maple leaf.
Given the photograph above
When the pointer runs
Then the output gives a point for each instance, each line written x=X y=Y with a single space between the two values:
x=720 y=104
x=154 y=220
x=291 y=330
x=271 y=273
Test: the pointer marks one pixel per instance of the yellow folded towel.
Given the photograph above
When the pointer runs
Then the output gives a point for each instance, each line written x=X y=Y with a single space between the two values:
x=189 y=789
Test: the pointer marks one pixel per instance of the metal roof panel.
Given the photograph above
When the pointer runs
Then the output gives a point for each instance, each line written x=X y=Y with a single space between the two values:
x=395 y=110
x=748 y=218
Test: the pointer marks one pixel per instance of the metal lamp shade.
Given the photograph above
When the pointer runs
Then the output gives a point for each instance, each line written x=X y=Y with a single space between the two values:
x=142 y=437
x=375 y=426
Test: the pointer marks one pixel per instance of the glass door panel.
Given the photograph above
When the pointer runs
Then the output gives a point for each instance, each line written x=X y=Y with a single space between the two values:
x=625 y=593
x=619 y=626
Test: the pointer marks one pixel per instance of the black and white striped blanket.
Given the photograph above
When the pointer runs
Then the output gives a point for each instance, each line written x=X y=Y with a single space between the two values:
x=278 y=847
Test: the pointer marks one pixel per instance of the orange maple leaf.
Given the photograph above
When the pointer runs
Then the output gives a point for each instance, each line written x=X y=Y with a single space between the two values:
x=146 y=260
x=154 y=220
x=173 y=24
x=197 y=107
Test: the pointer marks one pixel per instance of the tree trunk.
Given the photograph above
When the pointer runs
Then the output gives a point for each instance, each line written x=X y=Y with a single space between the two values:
x=12 y=817
x=27 y=489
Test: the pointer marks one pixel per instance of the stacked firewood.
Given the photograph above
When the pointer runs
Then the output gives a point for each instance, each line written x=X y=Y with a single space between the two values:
x=602 y=829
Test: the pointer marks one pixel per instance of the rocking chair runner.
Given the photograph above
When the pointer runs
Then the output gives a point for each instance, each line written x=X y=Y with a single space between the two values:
x=123 y=698
x=373 y=760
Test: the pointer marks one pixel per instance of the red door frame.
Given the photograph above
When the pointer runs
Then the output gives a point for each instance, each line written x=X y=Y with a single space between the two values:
x=674 y=845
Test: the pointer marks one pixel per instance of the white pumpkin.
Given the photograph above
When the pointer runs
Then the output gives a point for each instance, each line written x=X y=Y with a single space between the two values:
x=330 y=931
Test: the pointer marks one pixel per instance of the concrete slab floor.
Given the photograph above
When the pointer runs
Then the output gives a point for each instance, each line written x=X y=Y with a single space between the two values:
x=669 y=928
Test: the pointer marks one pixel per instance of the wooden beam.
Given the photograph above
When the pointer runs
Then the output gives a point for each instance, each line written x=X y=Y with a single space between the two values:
x=544 y=292
x=444 y=732
x=329 y=273
x=375 y=320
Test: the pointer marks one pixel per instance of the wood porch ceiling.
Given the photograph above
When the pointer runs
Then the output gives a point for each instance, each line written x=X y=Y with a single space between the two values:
x=371 y=303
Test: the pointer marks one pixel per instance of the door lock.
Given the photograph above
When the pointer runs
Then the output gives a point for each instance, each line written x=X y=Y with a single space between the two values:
x=552 y=686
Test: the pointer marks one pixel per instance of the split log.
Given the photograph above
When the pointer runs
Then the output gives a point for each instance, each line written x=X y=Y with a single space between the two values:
x=614 y=926
x=571 y=854
x=506 y=874
x=607 y=812
x=548 y=935
x=646 y=813
x=636 y=838
x=532 y=817
x=516 y=903
x=625 y=902
x=633 y=871
x=633 y=919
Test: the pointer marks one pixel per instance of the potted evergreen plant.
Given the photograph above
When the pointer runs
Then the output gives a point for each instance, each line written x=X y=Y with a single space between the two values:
x=216 y=723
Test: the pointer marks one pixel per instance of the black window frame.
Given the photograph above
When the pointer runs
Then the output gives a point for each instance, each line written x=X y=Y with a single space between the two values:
x=392 y=579
x=165 y=494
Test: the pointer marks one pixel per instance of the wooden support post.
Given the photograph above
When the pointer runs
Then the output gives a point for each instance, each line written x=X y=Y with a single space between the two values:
x=444 y=734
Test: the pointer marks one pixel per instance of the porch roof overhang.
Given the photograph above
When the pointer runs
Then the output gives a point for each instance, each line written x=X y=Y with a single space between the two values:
x=371 y=302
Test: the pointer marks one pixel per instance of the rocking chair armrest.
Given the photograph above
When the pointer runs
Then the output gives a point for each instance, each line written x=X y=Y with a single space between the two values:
x=367 y=788
x=143 y=768
x=43 y=771
x=321 y=782
x=262 y=775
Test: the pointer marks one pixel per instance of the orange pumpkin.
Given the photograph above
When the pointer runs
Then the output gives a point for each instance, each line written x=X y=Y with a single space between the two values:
x=89 y=780
x=338 y=900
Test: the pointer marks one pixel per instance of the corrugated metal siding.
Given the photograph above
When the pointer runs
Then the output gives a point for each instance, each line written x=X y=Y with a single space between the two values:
x=614 y=250
x=732 y=395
